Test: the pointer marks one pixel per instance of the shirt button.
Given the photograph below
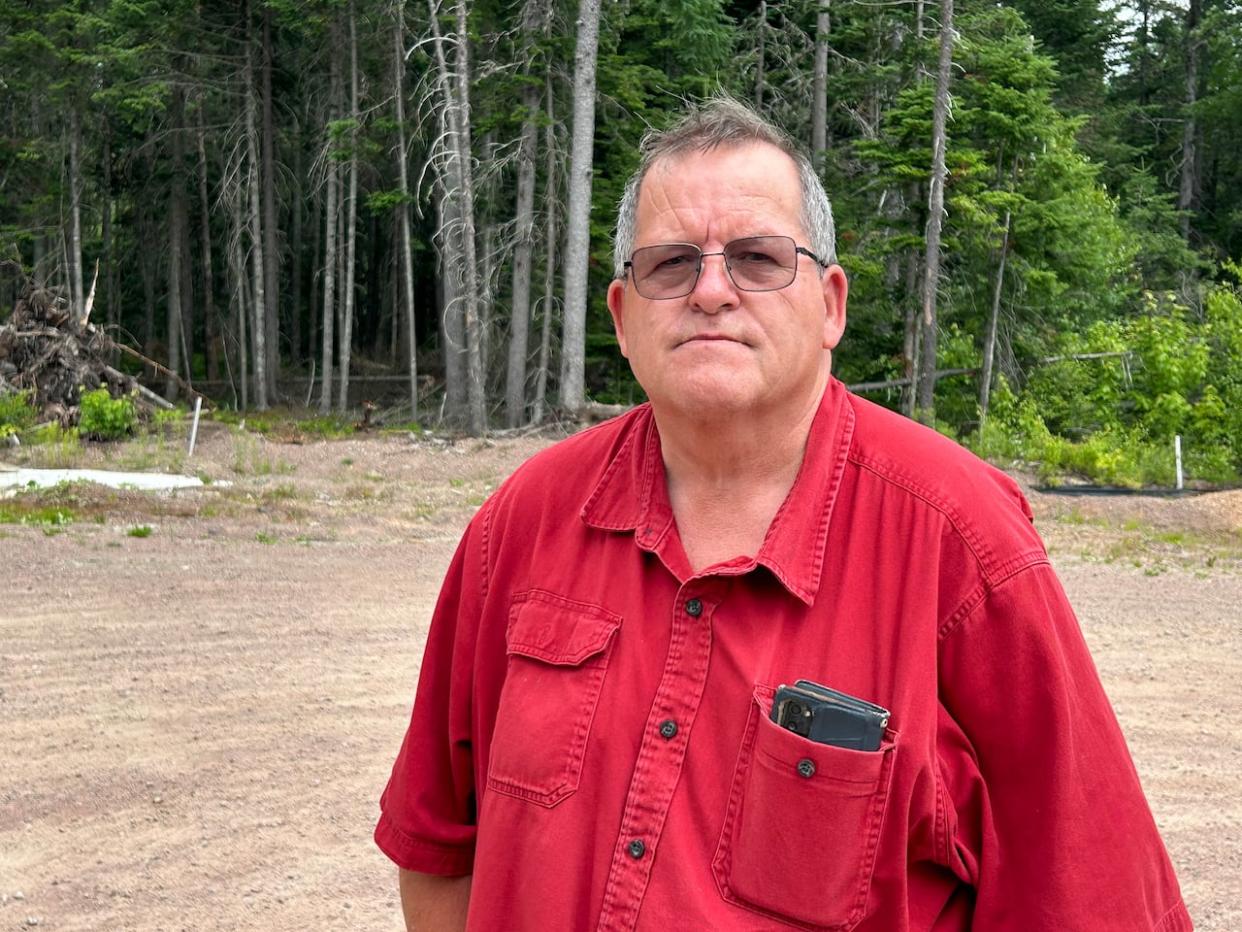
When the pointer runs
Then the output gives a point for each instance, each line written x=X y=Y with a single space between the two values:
x=694 y=608
x=668 y=729
x=806 y=768
x=637 y=848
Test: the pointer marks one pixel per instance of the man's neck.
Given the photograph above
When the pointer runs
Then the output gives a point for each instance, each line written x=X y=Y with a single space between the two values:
x=728 y=477
x=734 y=451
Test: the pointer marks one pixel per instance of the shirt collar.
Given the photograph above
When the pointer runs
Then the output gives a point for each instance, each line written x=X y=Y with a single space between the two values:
x=632 y=495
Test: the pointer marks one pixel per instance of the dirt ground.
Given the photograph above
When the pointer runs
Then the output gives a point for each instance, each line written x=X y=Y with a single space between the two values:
x=195 y=724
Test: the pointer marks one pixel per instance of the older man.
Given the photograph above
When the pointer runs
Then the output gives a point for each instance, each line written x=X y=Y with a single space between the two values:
x=593 y=743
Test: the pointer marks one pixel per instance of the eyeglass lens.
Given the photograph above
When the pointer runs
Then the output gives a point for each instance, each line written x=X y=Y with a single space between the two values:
x=756 y=263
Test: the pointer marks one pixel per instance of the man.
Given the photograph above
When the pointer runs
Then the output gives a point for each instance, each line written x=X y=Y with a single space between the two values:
x=592 y=744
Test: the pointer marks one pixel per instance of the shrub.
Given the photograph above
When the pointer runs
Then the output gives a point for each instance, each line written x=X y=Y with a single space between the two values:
x=105 y=417
x=16 y=412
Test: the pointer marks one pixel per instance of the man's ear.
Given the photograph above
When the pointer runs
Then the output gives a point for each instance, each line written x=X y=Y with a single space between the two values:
x=616 y=296
x=836 y=294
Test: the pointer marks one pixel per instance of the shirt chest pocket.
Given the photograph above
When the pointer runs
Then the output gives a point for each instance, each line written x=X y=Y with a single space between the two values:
x=802 y=825
x=558 y=652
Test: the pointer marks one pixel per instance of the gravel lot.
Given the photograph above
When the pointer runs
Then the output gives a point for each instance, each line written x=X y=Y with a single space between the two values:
x=197 y=723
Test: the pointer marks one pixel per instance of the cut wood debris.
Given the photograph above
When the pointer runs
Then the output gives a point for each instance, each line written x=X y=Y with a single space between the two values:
x=46 y=351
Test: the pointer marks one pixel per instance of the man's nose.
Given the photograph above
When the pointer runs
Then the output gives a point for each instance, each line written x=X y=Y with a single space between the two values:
x=714 y=291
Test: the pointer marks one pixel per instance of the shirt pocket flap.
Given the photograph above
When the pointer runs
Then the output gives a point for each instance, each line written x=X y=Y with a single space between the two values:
x=557 y=630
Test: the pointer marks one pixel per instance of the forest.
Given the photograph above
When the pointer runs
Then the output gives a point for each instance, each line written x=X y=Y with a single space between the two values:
x=1038 y=203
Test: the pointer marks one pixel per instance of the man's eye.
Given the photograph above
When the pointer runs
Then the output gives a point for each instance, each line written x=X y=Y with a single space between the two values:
x=755 y=258
x=673 y=262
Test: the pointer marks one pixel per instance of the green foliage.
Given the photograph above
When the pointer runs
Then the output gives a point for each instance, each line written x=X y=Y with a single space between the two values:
x=169 y=425
x=142 y=530
x=105 y=417
x=1113 y=419
x=16 y=413
x=283 y=424
x=28 y=510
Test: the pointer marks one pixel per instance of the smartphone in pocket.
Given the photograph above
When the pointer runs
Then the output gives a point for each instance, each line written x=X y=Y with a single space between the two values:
x=827 y=716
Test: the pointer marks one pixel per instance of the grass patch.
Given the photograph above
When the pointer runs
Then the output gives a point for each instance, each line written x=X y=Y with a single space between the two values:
x=49 y=447
x=151 y=453
x=264 y=537
x=35 y=513
x=285 y=491
x=142 y=530
x=249 y=458
x=92 y=501
x=288 y=425
x=1157 y=550
x=403 y=427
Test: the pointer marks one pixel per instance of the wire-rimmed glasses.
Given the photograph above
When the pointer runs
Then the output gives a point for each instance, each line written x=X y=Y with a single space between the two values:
x=754 y=263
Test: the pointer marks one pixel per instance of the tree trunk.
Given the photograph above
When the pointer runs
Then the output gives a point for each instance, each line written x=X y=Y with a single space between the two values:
x=407 y=256
x=452 y=318
x=212 y=329
x=259 y=341
x=176 y=217
x=148 y=271
x=178 y=221
x=238 y=302
x=457 y=97
x=351 y=218
x=935 y=218
x=1144 y=38
x=187 y=274
x=1188 y=191
x=912 y=342
x=327 y=328
x=474 y=336
x=108 y=294
x=578 y=232
x=313 y=303
x=911 y=333
x=77 y=296
x=271 y=251
x=487 y=291
x=819 y=94
x=295 y=273
x=989 y=343
x=38 y=262
x=761 y=65
x=519 y=324
x=549 y=263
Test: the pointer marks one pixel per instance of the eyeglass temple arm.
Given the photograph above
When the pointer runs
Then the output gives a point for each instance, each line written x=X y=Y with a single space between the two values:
x=806 y=252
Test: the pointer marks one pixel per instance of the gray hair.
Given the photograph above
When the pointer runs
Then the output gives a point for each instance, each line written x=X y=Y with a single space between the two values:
x=723 y=121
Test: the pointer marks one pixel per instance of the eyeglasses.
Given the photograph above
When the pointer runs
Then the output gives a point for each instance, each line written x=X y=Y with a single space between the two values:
x=754 y=263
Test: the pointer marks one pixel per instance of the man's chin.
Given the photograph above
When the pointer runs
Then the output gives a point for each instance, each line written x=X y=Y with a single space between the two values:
x=709 y=396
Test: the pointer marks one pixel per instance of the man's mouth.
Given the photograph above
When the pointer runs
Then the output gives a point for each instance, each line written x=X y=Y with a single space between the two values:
x=712 y=338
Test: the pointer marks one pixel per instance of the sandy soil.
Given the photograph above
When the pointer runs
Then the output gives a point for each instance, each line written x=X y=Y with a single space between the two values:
x=195 y=725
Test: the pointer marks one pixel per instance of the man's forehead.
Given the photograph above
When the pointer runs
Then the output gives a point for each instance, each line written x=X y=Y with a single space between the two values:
x=740 y=180
x=748 y=158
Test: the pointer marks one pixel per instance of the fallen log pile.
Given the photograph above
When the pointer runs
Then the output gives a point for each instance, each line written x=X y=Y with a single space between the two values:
x=45 y=351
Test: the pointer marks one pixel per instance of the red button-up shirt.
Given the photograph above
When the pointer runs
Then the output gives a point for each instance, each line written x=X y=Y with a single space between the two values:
x=591 y=735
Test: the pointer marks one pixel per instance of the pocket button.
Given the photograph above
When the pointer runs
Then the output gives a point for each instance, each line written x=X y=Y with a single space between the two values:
x=806 y=768
x=668 y=729
x=637 y=848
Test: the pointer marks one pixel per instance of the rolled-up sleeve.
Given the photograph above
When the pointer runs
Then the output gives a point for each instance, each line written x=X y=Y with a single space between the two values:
x=428 y=809
x=1047 y=819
